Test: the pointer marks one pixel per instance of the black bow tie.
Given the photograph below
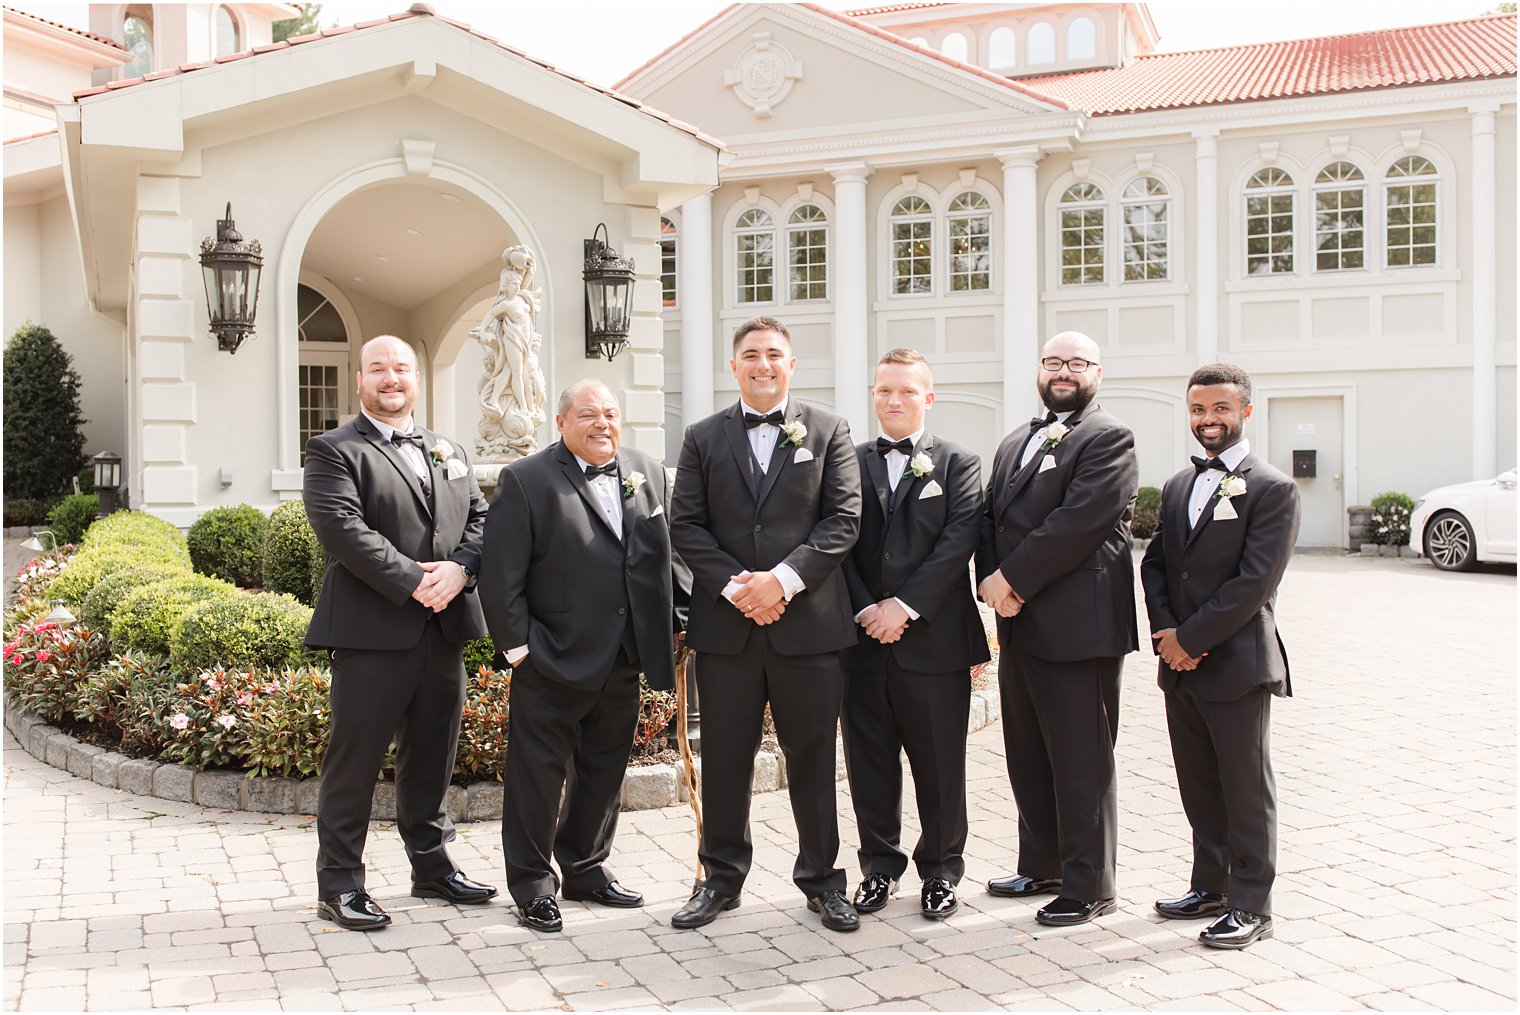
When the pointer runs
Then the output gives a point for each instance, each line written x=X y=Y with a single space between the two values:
x=610 y=469
x=407 y=438
x=1202 y=465
x=773 y=418
x=905 y=446
x=1040 y=421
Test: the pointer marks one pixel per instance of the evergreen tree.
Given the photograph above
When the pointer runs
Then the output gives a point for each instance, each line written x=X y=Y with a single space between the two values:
x=43 y=446
x=303 y=25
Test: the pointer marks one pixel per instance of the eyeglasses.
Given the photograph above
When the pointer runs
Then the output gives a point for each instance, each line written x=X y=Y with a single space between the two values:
x=1077 y=366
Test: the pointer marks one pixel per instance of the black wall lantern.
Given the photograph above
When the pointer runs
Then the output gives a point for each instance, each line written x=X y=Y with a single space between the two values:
x=107 y=480
x=609 y=297
x=231 y=267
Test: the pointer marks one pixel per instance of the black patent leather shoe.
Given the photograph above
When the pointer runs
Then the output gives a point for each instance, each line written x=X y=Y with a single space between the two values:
x=938 y=899
x=1021 y=887
x=455 y=888
x=1236 y=929
x=1195 y=905
x=613 y=894
x=1064 y=912
x=702 y=908
x=354 y=910
x=541 y=914
x=836 y=912
x=874 y=893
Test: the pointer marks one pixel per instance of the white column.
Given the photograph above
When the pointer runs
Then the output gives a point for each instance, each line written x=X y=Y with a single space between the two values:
x=852 y=297
x=1021 y=282
x=694 y=290
x=1485 y=405
x=1206 y=251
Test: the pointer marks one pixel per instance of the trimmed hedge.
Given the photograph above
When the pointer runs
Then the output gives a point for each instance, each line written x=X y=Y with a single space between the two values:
x=228 y=542
x=1147 y=512
x=292 y=557
x=137 y=528
x=259 y=631
x=90 y=565
x=69 y=519
x=147 y=616
x=108 y=593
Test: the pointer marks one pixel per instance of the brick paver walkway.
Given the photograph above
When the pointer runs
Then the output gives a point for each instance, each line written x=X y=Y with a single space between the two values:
x=1395 y=764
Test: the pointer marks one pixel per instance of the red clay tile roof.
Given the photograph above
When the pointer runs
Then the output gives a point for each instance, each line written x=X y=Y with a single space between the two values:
x=67 y=28
x=417 y=11
x=861 y=12
x=29 y=137
x=1468 y=50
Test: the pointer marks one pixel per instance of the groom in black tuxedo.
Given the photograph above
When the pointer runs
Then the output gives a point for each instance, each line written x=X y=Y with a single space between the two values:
x=1055 y=562
x=1225 y=534
x=398 y=512
x=909 y=678
x=765 y=509
x=579 y=591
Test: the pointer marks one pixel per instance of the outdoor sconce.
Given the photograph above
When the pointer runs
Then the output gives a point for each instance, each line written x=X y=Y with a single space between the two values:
x=34 y=541
x=231 y=267
x=609 y=297
x=107 y=479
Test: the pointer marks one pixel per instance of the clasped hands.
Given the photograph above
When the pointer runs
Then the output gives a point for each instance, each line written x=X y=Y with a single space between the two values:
x=999 y=595
x=1172 y=653
x=442 y=580
x=885 y=621
x=760 y=596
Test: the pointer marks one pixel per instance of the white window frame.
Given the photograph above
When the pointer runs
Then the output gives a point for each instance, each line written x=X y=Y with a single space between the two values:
x=1385 y=227
x=1319 y=189
x=824 y=225
x=893 y=219
x=674 y=239
x=1291 y=191
x=953 y=215
x=1087 y=204
x=738 y=233
x=1168 y=205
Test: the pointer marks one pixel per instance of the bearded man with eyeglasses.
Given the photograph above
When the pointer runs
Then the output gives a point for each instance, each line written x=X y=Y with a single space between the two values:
x=1054 y=560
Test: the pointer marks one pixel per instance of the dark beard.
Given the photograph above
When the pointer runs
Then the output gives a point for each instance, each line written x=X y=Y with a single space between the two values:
x=1224 y=442
x=1079 y=399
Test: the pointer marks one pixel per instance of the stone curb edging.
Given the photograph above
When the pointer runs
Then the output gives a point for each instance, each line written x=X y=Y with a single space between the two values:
x=645 y=787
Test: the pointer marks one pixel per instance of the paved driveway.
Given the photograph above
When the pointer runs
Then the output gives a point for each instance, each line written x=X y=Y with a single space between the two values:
x=1395 y=765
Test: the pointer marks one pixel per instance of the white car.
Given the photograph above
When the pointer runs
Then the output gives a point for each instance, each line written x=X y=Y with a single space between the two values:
x=1457 y=526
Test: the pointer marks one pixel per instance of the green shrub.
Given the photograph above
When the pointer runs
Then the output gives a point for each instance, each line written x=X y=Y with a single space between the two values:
x=1147 y=512
x=72 y=516
x=478 y=653
x=89 y=566
x=244 y=632
x=228 y=542
x=45 y=666
x=1389 y=524
x=137 y=528
x=43 y=445
x=27 y=511
x=129 y=693
x=483 y=725
x=284 y=728
x=147 y=616
x=290 y=547
x=107 y=594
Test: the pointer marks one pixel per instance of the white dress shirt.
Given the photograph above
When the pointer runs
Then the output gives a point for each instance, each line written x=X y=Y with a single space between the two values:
x=608 y=495
x=1209 y=479
x=762 y=441
x=410 y=453
x=1033 y=447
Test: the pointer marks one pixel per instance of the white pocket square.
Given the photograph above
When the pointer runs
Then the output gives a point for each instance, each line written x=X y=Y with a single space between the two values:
x=803 y=455
x=455 y=469
x=1224 y=510
x=933 y=489
x=659 y=509
x=1048 y=463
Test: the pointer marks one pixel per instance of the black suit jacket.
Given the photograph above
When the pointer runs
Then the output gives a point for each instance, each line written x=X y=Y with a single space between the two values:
x=556 y=578
x=806 y=514
x=1217 y=583
x=373 y=520
x=920 y=553
x=1061 y=538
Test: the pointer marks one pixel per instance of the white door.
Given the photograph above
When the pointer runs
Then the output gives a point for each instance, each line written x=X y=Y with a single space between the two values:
x=325 y=381
x=1310 y=430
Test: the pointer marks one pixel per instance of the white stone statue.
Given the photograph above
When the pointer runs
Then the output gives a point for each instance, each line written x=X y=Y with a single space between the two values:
x=512 y=391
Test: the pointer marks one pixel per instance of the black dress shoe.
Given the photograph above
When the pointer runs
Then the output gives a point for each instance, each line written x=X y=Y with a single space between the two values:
x=837 y=914
x=1021 y=887
x=873 y=893
x=455 y=888
x=613 y=894
x=938 y=899
x=1236 y=929
x=541 y=914
x=1064 y=912
x=1195 y=905
x=702 y=908
x=353 y=910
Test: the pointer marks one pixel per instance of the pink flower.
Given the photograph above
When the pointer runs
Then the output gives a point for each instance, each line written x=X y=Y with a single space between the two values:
x=245 y=699
x=43 y=655
x=226 y=721
x=179 y=720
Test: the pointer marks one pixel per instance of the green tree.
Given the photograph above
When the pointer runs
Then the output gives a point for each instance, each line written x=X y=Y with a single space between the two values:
x=1502 y=9
x=43 y=445
x=303 y=25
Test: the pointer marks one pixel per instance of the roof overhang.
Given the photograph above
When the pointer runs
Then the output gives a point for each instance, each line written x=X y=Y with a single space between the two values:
x=61 y=43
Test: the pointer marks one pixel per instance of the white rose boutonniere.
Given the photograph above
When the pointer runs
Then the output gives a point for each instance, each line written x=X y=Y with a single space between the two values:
x=920 y=466
x=443 y=454
x=631 y=484
x=441 y=451
x=1054 y=432
x=1233 y=486
x=795 y=433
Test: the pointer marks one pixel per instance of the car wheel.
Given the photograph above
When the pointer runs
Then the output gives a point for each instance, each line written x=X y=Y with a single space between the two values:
x=1449 y=542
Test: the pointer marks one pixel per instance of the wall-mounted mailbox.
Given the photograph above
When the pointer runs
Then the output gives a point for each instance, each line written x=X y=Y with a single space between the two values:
x=1303 y=465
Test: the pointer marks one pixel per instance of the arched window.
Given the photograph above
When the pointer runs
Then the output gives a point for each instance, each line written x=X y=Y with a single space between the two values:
x=1410 y=195
x=807 y=254
x=667 y=263
x=1081 y=40
x=137 y=36
x=970 y=225
x=1269 y=222
x=1340 y=200
x=912 y=228
x=228 y=39
x=323 y=376
x=754 y=257
x=955 y=47
x=1002 y=49
x=1146 y=210
x=919 y=40
x=1042 y=44
x=1082 y=218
